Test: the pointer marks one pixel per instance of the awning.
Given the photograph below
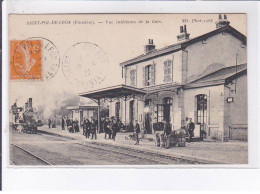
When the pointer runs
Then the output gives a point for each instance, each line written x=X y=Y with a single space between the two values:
x=115 y=92
x=162 y=88
x=83 y=107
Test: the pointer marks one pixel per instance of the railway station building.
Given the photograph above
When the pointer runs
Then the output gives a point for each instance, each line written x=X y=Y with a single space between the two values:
x=83 y=111
x=203 y=78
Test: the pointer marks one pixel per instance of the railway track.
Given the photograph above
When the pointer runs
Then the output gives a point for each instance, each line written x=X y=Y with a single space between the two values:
x=153 y=157
x=113 y=153
x=109 y=150
x=31 y=154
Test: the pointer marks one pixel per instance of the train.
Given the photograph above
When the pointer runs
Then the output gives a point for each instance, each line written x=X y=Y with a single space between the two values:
x=25 y=119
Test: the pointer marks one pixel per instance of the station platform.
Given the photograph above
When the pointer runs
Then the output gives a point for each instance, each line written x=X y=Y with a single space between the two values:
x=205 y=152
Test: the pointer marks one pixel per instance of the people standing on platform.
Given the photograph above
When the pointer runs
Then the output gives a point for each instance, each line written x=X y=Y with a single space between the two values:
x=62 y=123
x=67 y=122
x=88 y=128
x=119 y=124
x=101 y=130
x=137 y=131
x=70 y=126
x=84 y=126
x=107 y=127
x=76 y=126
x=190 y=128
x=114 y=128
x=49 y=122
x=166 y=128
x=93 y=129
x=166 y=134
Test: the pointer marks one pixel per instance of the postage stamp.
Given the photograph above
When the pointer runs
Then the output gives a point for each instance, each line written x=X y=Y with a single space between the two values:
x=25 y=60
x=35 y=58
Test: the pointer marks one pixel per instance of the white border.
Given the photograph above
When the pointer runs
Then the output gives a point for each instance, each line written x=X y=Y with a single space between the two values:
x=132 y=178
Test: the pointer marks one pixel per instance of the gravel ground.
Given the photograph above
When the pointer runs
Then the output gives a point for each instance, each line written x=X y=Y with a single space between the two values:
x=61 y=151
x=232 y=152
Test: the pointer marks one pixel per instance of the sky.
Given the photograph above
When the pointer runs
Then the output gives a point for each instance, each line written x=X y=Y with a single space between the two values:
x=115 y=37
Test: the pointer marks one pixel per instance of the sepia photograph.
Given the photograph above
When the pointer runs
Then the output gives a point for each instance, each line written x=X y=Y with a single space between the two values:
x=127 y=89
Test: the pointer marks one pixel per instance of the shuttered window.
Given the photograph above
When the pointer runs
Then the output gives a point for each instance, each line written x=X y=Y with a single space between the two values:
x=132 y=78
x=167 y=71
x=125 y=75
x=149 y=75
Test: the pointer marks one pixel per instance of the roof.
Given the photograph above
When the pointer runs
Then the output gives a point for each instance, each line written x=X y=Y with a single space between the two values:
x=221 y=76
x=118 y=91
x=163 y=87
x=81 y=107
x=181 y=45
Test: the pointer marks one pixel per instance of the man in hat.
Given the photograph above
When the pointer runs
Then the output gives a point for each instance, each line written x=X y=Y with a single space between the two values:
x=107 y=127
x=62 y=123
x=137 y=131
x=166 y=133
x=190 y=128
x=114 y=128
x=93 y=128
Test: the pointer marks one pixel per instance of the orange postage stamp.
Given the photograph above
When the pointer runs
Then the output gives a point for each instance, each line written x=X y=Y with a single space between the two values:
x=25 y=60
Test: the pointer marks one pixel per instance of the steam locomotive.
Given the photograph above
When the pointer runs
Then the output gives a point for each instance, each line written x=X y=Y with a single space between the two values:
x=25 y=120
x=27 y=123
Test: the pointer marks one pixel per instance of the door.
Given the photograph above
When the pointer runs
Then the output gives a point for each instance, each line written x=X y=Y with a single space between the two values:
x=148 y=116
x=167 y=104
x=202 y=114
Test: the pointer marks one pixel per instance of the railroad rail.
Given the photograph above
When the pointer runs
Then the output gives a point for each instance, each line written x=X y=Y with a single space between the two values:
x=154 y=157
x=123 y=153
x=30 y=153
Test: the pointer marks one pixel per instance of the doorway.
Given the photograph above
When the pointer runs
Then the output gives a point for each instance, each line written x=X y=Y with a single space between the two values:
x=167 y=104
x=148 y=116
x=201 y=117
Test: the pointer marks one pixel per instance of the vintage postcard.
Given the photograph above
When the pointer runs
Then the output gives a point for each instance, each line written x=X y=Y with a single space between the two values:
x=127 y=89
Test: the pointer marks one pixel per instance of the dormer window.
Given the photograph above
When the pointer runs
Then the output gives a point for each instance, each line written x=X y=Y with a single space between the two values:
x=168 y=71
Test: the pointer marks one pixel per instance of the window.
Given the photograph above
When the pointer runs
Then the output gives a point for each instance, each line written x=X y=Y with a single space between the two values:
x=147 y=102
x=160 y=113
x=132 y=78
x=164 y=111
x=201 y=108
x=149 y=75
x=117 y=109
x=168 y=71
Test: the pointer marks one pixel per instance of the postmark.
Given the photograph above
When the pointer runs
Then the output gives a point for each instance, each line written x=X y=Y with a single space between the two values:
x=35 y=58
x=84 y=65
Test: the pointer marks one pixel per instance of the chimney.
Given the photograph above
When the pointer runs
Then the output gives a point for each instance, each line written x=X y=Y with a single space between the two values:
x=183 y=34
x=149 y=47
x=26 y=106
x=219 y=17
x=222 y=22
x=30 y=103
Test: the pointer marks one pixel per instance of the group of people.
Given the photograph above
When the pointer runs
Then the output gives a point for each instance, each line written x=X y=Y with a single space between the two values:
x=111 y=127
x=72 y=125
x=90 y=128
